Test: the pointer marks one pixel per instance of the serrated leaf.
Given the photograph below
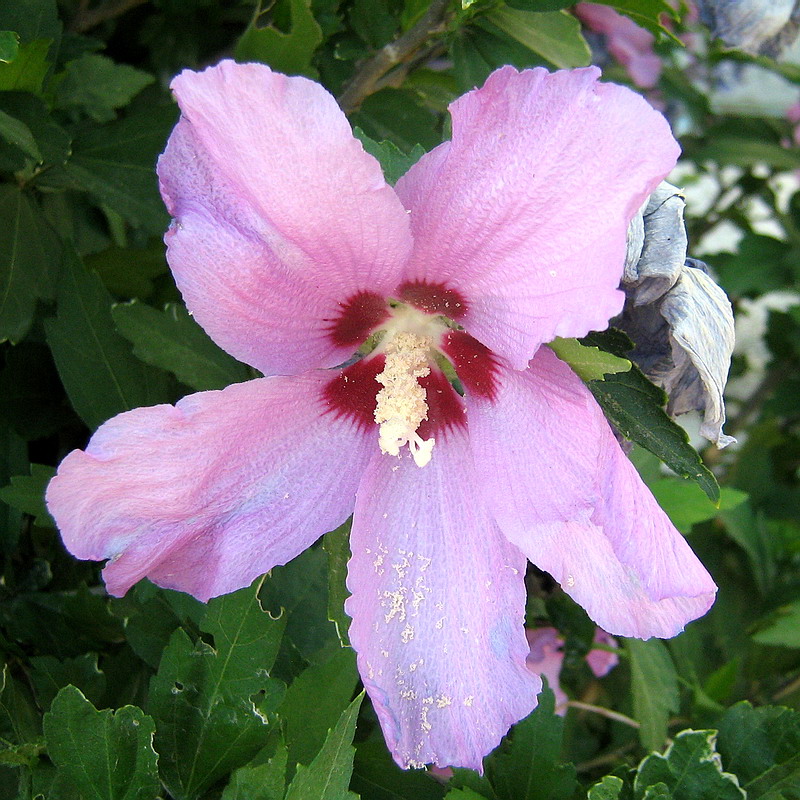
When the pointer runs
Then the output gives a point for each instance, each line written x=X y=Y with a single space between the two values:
x=259 y=782
x=635 y=407
x=285 y=52
x=26 y=493
x=26 y=73
x=590 y=363
x=314 y=702
x=9 y=46
x=762 y=747
x=336 y=545
x=646 y=13
x=18 y=133
x=654 y=684
x=172 y=340
x=97 y=86
x=328 y=775
x=783 y=630
x=30 y=254
x=49 y=675
x=213 y=705
x=690 y=769
x=106 y=755
x=100 y=373
x=528 y=766
x=608 y=788
x=554 y=35
x=116 y=164
x=394 y=162
x=686 y=504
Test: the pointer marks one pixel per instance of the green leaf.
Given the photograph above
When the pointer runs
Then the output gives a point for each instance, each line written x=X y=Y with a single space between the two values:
x=337 y=546
x=260 y=782
x=690 y=770
x=646 y=13
x=129 y=271
x=554 y=35
x=285 y=52
x=608 y=788
x=328 y=775
x=26 y=73
x=783 y=630
x=52 y=141
x=50 y=674
x=19 y=134
x=463 y=794
x=96 y=85
x=395 y=114
x=686 y=504
x=30 y=255
x=635 y=407
x=376 y=776
x=100 y=373
x=172 y=340
x=590 y=363
x=528 y=767
x=394 y=162
x=26 y=493
x=745 y=152
x=106 y=755
x=9 y=46
x=654 y=684
x=31 y=19
x=315 y=701
x=212 y=705
x=20 y=722
x=116 y=164
x=761 y=746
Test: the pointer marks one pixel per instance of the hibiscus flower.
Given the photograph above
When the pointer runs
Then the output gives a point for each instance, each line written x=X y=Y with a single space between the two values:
x=374 y=309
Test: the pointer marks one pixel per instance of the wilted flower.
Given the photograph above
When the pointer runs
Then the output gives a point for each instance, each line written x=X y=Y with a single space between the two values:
x=293 y=253
x=764 y=27
x=679 y=319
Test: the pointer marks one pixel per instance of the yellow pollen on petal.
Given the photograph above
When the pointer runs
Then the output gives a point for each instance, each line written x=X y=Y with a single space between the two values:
x=402 y=403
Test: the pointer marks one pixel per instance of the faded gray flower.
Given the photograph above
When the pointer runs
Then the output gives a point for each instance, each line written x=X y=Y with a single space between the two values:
x=760 y=27
x=680 y=321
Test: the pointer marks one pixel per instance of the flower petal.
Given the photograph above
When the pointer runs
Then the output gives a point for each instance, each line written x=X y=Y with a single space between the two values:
x=563 y=491
x=437 y=606
x=281 y=218
x=525 y=212
x=207 y=495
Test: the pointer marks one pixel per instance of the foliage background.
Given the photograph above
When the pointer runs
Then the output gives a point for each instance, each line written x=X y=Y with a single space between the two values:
x=252 y=696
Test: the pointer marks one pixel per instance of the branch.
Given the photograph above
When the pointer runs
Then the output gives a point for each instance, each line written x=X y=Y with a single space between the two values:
x=87 y=18
x=368 y=76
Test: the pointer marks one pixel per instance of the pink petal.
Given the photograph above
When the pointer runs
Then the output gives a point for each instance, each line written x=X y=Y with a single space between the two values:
x=525 y=212
x=281 y=218
x=207 y=495
x=601 y=662
x=563 y=491
x=546 y=658
x=437 y=607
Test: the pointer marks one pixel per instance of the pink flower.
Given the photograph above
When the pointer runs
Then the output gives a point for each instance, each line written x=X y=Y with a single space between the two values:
x=546 y=657
x=630 y=44
x=292 y=251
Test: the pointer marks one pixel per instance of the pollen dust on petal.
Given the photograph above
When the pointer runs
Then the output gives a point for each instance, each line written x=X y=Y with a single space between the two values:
x=402 y=403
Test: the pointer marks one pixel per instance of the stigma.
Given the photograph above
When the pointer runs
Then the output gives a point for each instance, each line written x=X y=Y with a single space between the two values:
x=401 y=405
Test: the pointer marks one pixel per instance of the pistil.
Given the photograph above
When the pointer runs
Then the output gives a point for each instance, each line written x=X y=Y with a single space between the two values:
x=401 y=405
